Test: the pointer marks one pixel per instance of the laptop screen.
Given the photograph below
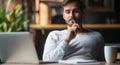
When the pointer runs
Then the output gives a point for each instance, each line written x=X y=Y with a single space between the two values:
x=17 y=47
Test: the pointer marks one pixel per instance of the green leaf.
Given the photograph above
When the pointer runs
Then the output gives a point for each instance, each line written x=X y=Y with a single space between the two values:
x=4 y=27
x=8 y=4
x=10 y=29
x=2 y=14
x=19 y=29
x=8 y=17
x=18 y=8
x=12 y=21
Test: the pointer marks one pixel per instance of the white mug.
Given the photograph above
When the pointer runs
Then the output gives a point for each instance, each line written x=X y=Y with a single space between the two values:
x=110 y=53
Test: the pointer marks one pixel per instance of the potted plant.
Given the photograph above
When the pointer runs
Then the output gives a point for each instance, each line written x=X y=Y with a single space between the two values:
x=12 y=21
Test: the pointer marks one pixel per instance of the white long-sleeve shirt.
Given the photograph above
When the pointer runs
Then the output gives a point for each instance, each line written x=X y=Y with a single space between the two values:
x=87 y=46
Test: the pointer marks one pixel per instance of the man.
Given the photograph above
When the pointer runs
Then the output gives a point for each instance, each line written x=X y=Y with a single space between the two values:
x=74 y=43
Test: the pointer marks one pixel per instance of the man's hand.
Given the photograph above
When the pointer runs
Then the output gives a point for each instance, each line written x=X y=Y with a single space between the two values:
x=72 y=31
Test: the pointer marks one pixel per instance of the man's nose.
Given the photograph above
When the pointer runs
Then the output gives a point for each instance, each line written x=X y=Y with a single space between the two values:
x=72 y=15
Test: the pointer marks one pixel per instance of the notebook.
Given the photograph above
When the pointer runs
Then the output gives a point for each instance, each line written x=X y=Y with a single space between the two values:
x=17 y=47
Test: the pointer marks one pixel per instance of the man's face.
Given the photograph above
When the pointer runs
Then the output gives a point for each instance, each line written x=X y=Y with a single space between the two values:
x=72 y=14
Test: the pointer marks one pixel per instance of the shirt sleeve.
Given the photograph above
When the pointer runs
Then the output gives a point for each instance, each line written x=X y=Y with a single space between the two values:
x=99 y=49
x=54 y=51
x=102 y=44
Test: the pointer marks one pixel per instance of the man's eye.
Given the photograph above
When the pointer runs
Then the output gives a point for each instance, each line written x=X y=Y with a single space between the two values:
x=77 y=11
x=67 y=12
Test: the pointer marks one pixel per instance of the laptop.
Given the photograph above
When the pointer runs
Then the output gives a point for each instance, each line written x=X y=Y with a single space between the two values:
x=17 y=47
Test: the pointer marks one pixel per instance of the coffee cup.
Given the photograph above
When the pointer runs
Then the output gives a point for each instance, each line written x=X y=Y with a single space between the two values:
x=110 y=53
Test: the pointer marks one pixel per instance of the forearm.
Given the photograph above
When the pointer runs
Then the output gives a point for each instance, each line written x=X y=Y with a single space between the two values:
x=71 y=32
x=55 y=47
x=55 y=54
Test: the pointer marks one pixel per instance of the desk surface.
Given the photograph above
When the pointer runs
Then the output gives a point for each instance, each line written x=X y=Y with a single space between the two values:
x=100 y=63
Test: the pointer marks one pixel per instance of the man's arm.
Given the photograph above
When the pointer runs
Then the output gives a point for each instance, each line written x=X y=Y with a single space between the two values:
x=71 y=32
x=99 y=49
x=54 y=48
x=102 y=44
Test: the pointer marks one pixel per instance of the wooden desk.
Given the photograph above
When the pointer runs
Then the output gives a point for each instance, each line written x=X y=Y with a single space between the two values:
x=100 y=63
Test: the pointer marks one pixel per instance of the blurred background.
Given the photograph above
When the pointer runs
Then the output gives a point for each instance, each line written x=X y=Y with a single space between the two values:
x=50 y=11
x=46 y=15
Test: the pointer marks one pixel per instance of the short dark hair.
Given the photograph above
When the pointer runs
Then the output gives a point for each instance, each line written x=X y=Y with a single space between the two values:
x=80 y=4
